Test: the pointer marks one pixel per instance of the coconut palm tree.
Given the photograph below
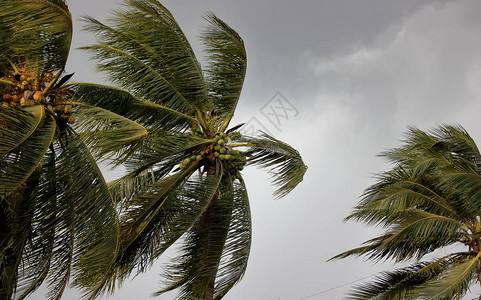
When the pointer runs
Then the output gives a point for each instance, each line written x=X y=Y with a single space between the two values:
x=184 y=182
x=428 y=201
x=57 y=216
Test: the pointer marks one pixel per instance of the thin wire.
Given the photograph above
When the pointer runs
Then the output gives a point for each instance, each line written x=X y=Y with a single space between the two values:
x=336 y=287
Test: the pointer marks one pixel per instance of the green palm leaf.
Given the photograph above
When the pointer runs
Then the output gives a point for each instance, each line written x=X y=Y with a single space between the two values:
x=238 y=243
x=17 y=125
x=284 y=162
x=119 y=101
x=19 y=163
x=400 y=283
x=227 y=64
x=39 y=31
x=86 y=240
x=452 y=283
x=194 y=272
x=166 y=70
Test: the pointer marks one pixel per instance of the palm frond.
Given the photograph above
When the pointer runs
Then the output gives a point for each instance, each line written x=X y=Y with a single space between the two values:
x=194 y=271
x=284 y=162
x=19 y=163
x=39 y=250
x=106 y=133
x=177 y=214
x=238 y=243
x=158 y=65
x=39 y=31
x=400 y=283
x=227 y=64
x=453 y=283
x=119 y=101
x=16 y=125
x=92 y=221
x=20 y=229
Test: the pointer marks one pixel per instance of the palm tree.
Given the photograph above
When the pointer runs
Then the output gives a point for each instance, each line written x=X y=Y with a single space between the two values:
x=429 y=200
x=184 y=181
x=57 y=216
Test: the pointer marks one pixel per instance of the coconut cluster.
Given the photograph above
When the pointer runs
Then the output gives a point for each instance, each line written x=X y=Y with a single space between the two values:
x=234 y=160
x=27 y=90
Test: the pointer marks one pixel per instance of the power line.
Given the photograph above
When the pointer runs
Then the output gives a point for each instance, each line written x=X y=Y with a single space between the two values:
x=336 y=287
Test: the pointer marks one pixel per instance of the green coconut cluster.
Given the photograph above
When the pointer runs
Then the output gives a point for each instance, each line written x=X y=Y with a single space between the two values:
x=234 y=160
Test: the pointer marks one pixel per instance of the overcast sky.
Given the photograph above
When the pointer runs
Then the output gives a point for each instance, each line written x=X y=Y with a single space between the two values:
x=352 y=75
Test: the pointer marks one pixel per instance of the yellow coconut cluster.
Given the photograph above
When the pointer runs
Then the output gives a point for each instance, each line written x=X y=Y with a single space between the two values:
x=234 y=159
x=27 y=90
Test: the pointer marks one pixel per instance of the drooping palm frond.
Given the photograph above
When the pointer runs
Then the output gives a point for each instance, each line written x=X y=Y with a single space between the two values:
x=19 y=163
x=16 y=125
x=194 y=271
x=283 y=161
x=236 y=251
x=453 y=283
x=227 y=64
x=428 y=200
x=158 y=65
x=86 y=227
x=38 y=31
x=121 y=102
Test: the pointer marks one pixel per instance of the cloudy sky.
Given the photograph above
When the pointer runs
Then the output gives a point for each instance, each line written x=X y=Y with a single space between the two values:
x=351 y=75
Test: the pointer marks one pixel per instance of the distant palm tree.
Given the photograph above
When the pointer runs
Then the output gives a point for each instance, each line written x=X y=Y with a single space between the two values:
x=429 y=200
x=184 y=178
x=57 y=216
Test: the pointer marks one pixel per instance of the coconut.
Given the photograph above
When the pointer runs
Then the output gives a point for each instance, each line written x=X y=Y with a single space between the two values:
x=64 y=117
x=67 y=110
x=223 y=150
x=58 y=109
x=38 y=96
x=7 y=98
x=198 y=157
x=71 y=120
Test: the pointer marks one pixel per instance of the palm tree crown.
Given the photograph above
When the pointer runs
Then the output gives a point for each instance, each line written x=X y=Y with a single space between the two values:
x=57 y=215
x=430 y=199
x=184 y=178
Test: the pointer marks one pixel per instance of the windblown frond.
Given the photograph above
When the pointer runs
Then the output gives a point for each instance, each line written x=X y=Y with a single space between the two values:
x=283 y=161
x=237 y=245
x=194 y=271
x=16 y=125
x=39 y=31
x=157 y=65
x=119 y=101
x=400 y=283
x=227 y=64
x=18 y=164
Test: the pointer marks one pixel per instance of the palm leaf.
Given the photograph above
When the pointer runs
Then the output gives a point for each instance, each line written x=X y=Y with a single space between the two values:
x=283 y=161
x=39 y=250
x=17 y=166
x=238 y=243
x=119 y=101
x=453 y=283
x=17 y=125
x=39 y=31
x=400 y=283
x=227 y=64
x=182 y=206
x=194 y=271
x=158 y=65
